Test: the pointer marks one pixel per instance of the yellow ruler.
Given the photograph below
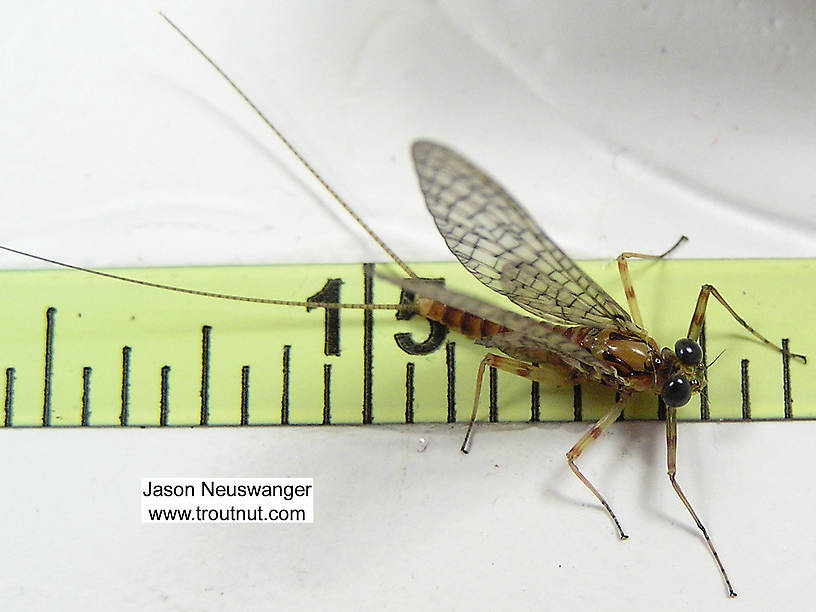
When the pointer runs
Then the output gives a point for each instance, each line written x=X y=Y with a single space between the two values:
x=78 y=350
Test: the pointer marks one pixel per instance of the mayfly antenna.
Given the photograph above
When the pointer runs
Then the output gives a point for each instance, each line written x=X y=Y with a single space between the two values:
x=211 y=294
x=240 y=298
x=294 y=151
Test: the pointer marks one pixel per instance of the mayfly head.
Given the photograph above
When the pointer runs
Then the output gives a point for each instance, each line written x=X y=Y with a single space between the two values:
x=685 y=372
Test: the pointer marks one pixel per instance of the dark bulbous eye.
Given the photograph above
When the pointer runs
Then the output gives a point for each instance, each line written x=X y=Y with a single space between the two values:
x=676 y=391
x=688 y=351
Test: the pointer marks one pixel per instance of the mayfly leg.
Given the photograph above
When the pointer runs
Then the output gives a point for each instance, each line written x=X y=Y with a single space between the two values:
x=548 y=376
x=698 y=318
x=671 y=452
x=626 y=278
x=586 y=440
x=513 y=366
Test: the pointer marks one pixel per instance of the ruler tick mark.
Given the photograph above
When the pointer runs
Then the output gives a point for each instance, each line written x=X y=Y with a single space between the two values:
x=9 y=400
x=409 y=392
x=577 y=404
x=245 y=395
x=287 y=349
x=86 y=397
x=450 y=364
x=535 y=402
x=368 y=344
x=125 y=393
x=786 y=380
x=48 y=372
x=326 y=394
x=163 y=397
x=493 y=395
x=204 y=417
x=745 y=391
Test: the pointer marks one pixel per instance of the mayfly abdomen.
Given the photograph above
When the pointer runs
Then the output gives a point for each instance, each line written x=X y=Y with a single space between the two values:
x=470 y=325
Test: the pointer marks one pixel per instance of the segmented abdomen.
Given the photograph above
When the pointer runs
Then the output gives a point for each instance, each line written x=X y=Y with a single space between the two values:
x=467 y=324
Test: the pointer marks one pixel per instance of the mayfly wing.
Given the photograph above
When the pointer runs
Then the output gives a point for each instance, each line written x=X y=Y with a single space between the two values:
x=501 y=245
x=527 y=333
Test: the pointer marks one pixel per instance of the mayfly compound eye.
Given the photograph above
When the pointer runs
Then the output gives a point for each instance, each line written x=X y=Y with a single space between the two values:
x=688 y=351
x=676 y=391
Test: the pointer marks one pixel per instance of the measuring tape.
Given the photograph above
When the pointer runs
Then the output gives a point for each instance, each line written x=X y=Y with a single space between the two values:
x=78 y=350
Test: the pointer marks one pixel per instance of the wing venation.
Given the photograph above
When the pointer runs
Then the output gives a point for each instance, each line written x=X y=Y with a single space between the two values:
x=500 y=244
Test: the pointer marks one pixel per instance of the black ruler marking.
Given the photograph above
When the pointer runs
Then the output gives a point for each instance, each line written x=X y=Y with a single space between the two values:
x=493 y=387
x=331 y=316
x=368 y=344
x=9 y=400
x=163 y=397
x=577 y=404
x=48 y=372
x=326 y=394
x=245 y=395
x=204 y=416
x=786 y=380
x=287 y=349
x=86 y=397
x=409 y=392
x=450 y=363
x=125 y=394
x=744 y=391
x=535 y=402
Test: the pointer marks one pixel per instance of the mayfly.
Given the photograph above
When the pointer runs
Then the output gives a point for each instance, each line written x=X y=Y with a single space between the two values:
x=580 y=335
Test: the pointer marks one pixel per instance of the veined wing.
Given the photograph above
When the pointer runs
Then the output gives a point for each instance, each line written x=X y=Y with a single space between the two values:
x=527 y=333
x=498 y=242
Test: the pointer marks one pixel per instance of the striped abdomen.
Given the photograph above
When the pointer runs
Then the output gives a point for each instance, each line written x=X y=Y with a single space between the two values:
x=465 y=323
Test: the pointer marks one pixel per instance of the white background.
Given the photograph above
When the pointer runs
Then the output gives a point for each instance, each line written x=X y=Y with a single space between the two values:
x=619 y=126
